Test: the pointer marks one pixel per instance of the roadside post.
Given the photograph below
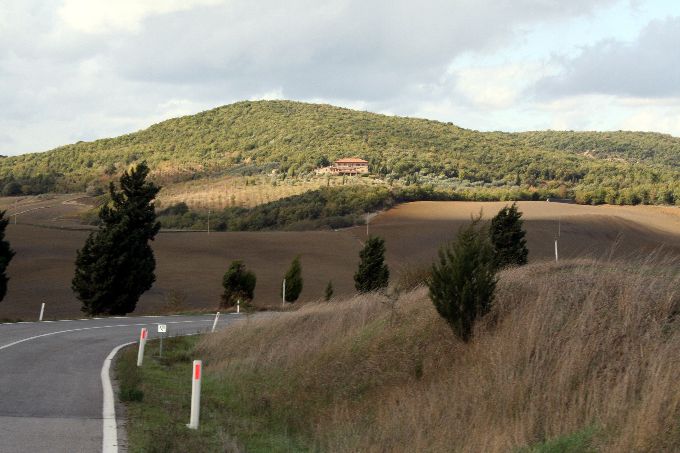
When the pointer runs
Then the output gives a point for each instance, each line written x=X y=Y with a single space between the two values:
x=556 y=256
x=238 y=306
x=196 y=376
x=217 y=317
x=142 y=343
x=42 y=311
x=283 y=294
x=162 y=329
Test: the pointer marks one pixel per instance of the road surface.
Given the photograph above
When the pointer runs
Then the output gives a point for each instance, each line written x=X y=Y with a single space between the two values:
x=51 y=379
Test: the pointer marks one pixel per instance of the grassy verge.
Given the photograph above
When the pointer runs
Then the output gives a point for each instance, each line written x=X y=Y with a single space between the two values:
x=566 y=347
x=157 y=397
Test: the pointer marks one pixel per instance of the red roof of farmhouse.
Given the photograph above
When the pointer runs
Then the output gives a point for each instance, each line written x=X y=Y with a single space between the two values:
x=351 y=160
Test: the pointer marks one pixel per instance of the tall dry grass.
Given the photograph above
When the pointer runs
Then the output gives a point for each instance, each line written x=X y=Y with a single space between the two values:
x=567 y=347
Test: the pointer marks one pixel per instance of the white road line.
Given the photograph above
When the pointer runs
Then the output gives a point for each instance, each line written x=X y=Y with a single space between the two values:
x=109 y=426
x=93 y=328
x=107 y=317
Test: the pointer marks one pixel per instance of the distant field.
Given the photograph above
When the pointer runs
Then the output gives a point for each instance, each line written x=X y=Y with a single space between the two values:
x=193 y=263
x=247 y=191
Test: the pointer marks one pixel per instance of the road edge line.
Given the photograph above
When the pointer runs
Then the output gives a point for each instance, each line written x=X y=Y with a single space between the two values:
x=109 y=423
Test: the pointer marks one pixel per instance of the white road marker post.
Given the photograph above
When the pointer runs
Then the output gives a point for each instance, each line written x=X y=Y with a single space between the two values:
x=556 y=255
x=196 y=375
x=42 y=311
x=142 y=343
x=217 y=317
x=283 y=294
x=238 y=306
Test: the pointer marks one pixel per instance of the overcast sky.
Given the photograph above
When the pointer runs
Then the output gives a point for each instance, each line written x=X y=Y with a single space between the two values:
x=85 y=69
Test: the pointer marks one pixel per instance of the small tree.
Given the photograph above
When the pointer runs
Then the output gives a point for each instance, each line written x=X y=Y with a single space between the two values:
x=372 y=273
x=463 y=281
x=239 y=284
x=328 y=293
x=116 y=264
x=6 y=254
x=293 y=281
x=507 y=238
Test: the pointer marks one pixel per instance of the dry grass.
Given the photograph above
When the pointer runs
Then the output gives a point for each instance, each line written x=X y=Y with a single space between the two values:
x=567 y=348
x=247 y=191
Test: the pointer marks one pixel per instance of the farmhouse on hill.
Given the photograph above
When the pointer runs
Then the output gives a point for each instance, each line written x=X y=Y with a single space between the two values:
x=346 y=166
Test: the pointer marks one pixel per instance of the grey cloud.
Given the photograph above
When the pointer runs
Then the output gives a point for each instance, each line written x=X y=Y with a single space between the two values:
x=346 y=49
x=378 y=52
x=648 y=67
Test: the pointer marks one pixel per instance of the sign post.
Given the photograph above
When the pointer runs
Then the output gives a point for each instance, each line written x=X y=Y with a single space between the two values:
x=162 y=328
x=196 y=375
x=142 y=343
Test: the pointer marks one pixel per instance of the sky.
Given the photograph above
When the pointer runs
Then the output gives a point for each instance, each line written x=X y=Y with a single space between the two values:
x=75 y=70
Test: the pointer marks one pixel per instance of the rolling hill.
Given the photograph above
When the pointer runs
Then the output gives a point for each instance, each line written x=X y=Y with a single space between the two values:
x=290 y=139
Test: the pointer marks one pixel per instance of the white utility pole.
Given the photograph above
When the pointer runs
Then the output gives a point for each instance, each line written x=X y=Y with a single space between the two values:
x=196 y=375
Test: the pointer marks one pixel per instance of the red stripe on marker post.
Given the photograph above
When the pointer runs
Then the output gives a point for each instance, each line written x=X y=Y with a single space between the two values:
x=197 y=371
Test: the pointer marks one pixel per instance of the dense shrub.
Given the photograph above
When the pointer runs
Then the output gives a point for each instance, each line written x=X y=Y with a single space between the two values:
x=239 y=284
x=372 y=274
x=462 y=282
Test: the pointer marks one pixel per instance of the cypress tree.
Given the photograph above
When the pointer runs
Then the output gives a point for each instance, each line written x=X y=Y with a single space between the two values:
x=116 y=265
x=372 y=273
x=507 y=238
x=293 y=281
x=239 y=284
x=328 y=293
x=463 y=281
x=6 y=254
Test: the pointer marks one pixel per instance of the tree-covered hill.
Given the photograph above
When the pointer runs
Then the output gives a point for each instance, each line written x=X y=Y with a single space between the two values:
x=293 y=138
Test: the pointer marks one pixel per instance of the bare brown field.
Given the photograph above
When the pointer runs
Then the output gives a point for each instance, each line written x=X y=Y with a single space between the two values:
x=193 y=263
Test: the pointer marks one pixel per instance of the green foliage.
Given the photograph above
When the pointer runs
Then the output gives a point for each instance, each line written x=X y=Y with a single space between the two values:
x=239 y=284
x=463 y=281
x=292 y=138
x=6 y=255
x=293 y=279
x=116 y=264
x=328 y=292
x=507 y=238
x=372 y=274
x=578 y=442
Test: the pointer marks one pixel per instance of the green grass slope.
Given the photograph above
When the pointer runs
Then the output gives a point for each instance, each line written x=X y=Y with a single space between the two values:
x=293 y=138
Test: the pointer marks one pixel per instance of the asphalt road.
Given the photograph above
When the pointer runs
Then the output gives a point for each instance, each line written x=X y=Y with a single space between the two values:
x=51 y=392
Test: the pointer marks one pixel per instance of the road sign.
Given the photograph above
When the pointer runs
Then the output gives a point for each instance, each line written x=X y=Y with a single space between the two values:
x=162 y=328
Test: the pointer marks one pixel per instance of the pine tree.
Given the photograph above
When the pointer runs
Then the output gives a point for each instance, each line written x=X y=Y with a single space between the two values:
x=463 y=281
x=328 y=293
x=6 y=254
x=372 y=273
x=507 y=238
x=293 y=281
x=116 y=265
x=239 y=284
